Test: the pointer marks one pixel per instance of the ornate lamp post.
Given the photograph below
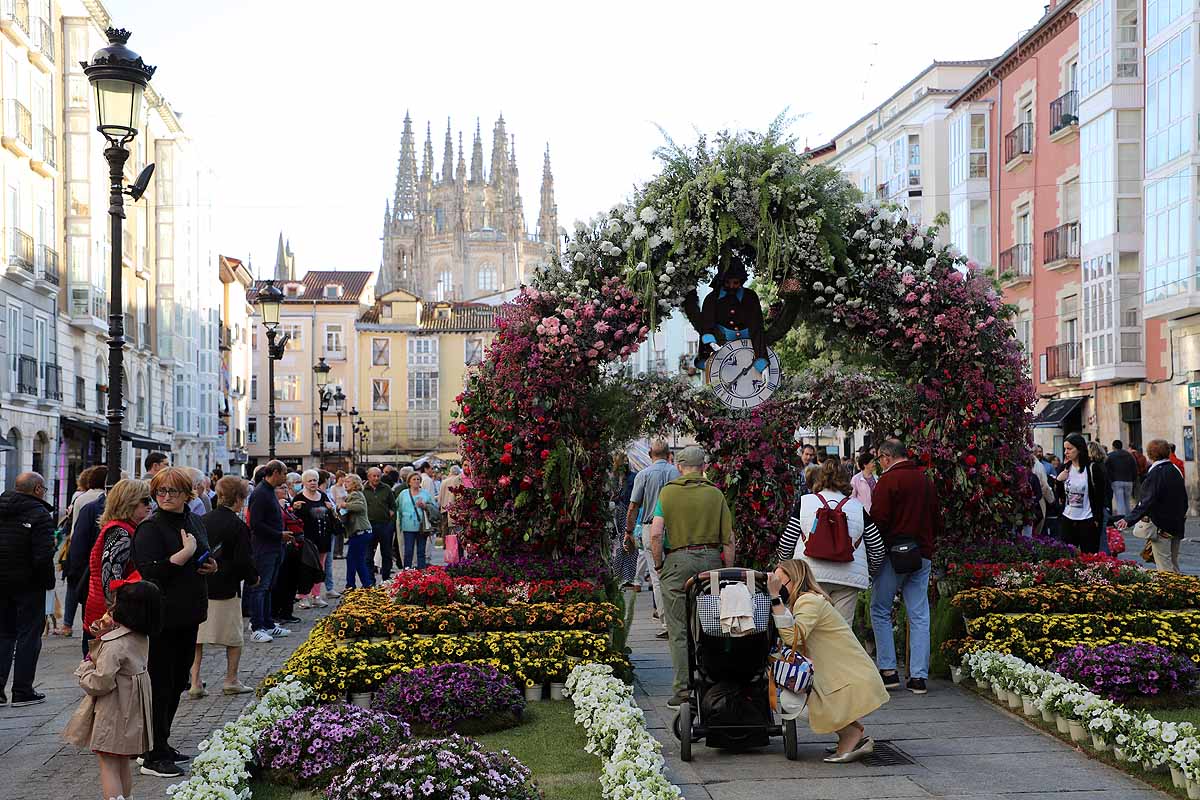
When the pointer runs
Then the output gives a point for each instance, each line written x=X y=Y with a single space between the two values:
x=321 y=373
x=353 y=433
x=270 y=298
x=119 y=77
x=339 y=407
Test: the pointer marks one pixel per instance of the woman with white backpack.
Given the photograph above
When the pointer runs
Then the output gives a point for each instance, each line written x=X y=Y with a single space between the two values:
x=831 y=532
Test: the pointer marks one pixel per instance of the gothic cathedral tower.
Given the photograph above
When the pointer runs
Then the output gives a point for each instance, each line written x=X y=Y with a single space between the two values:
x=459 y=235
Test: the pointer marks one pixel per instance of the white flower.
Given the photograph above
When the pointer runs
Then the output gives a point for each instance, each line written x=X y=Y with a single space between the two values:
x=654 y=241
x=614 y=251
x=649 y=215
x=614 y=225
x=629 y=216
x=579 y=257
x=918 y=243
x=638 y=232
x=670 y=268
x=642 y=266
x=668 y=234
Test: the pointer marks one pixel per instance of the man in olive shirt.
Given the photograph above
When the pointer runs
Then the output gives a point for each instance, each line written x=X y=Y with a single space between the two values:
x=692 y=530
x=381 y=506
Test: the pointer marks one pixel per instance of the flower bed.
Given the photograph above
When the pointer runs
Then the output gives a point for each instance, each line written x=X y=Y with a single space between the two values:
x=1004 y=550
x=616 y=731
x=1139 y=737
x=1128 y=672
x=332 y=667
x=314 y=744
x=364 y=615
x=1084 y=569
x=436 y=586
x=519 y=567
x=1160 y=591
x=460 y=698
x=219 y=771
x=454 y=768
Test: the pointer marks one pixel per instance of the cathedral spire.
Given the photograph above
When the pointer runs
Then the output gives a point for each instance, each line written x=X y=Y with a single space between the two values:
x=461 y=170
x=427 y=161
x=499 y=154
x=405 y=201
x=477 y=156
x=548 y=217
x=448 y=156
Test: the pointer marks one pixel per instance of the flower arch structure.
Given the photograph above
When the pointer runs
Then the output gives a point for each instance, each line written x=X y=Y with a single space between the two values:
x=933 y=351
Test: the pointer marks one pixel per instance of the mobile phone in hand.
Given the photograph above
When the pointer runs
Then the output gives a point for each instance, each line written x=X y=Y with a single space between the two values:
x=207 y=554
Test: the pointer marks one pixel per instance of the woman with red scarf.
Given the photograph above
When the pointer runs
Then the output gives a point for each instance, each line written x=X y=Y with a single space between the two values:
x=126 y=505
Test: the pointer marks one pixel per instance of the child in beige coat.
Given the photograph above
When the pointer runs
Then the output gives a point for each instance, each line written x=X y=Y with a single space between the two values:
x=114 y=720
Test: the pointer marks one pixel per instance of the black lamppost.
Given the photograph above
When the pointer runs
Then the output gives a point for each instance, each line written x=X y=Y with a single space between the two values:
x=353 y=433
x=321 y=373
x=339 y=407
x=270 y=298
x=119 y=77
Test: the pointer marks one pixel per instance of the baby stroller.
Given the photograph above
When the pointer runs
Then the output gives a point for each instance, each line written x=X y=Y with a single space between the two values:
x=729 y=704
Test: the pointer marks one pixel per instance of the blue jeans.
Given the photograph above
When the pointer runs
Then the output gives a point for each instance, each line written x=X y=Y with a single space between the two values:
x=415 y=539
x=1123 y=496
x=382 y=534
x=329 y=571
x=70 y=603
x=914 y=587
x=267 y=564
x=358 y=559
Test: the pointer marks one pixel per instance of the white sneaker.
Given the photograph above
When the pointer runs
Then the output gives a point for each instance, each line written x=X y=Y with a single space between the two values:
x=319 y=603
x=262 y=637
x=306 y=603
x=279 y=632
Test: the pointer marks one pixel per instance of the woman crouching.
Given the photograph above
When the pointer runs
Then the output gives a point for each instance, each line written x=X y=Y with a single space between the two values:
x=846 y=685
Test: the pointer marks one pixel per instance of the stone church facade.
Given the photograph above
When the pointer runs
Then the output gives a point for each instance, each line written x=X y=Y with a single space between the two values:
x=460 y=234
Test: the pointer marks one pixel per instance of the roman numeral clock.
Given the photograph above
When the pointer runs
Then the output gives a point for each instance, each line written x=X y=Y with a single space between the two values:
x=731 y=373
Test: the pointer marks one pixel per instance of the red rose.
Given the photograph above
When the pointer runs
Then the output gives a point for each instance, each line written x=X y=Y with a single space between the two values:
x=508 y=447
x=504 y=481
x=526 y=482
x=506 y=458
x=545 y=454
x=970 y=459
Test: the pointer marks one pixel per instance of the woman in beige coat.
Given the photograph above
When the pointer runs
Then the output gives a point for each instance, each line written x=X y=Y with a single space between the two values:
x=114 y=719
x=846 y=685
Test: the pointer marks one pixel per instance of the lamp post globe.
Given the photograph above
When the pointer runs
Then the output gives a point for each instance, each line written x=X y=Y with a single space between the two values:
x=119 y=78
x=321 y=371
x=269 y=300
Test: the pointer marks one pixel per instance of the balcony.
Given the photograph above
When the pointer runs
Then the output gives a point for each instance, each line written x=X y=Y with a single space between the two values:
x=131 y=329
x=1064 y=117
x=41 y=54
x=1060 y=246
x=335 y=354
x=87 y=310
x=1063 y=362
x=226 y=338
x=47 y=269
x=20 y=251
x=18 y=129
x=26 y=373
x=14 y=21
x=1016 y=264
x=1018 y=146
x=45 y=161
x=52 y=383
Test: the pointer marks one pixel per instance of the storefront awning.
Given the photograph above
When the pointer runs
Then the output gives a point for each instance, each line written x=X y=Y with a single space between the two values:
x=1056 y=412
x=142 y=443
x=101 y=428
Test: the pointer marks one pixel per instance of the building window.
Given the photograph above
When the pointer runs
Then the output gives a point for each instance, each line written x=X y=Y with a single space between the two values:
x=1168 y=227
x=474 y=351
x=486 y=278
x=1096 y=178
x=252 y=430
x=296 y=331
x=287 y=387
x=381 y=394
x=422 y=390
x=333 y=291
x=1169 y=101
x=1095 y=48
x=1128 y=40
x=914 y=160
x=292 y=291
x=254 y=386
x=334 y=344
x=381 y=352
x=1161 y=13
x=422 y=429
x=287 y=430
x=423 y=351
x=445 y=285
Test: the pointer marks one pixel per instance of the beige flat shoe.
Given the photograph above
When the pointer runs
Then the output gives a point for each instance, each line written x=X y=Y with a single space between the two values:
x=196 y=694
x=237 y=688
x=863 y=748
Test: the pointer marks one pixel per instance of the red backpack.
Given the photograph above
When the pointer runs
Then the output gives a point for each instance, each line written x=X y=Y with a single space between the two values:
x=830 y=538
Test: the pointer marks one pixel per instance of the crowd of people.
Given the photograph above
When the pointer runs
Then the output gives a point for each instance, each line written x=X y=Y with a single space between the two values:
x=160 y=566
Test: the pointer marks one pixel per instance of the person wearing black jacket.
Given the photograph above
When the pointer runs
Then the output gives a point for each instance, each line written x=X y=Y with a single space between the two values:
x=26 y=574
x=171 y=549
x=1164 y=500
x=228 y=533
x=1122 y=470
x=84 y=534
x=1082 y=489
x=267 y=539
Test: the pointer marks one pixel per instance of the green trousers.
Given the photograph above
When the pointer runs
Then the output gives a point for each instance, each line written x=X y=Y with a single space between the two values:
x=677 y=568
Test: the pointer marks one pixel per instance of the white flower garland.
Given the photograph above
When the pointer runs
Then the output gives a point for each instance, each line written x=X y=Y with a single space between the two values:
x=219 y=772
x=1142 y=737
x=616 y=732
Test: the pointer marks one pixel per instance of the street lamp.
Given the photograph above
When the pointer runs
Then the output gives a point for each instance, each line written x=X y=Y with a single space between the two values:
x=119 y=77
x=353 y=433
x=339 y=407
x=270 y=298
x=321 y=373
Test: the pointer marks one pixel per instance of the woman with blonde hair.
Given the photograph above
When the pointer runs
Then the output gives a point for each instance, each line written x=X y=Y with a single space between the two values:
x=125 y=506
x=846 y=685
x=353 y=508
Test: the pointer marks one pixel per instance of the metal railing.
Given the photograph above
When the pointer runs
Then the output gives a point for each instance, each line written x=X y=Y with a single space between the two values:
x=18 y=12
x=48 y=264
x=27 y=375
x=19 y=123
x=20 y=252
x=52 y=388
x=1017 y=261
x=1018 y=141
x=1061 y=243
x=49 y=147
x=335 y=354
x=44 y=33
x=1063 y=361
x=1064 y=111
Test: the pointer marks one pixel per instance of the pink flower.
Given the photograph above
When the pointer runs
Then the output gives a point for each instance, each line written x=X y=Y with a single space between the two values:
x=569 y=313
x=541 y=329
x=599 y=345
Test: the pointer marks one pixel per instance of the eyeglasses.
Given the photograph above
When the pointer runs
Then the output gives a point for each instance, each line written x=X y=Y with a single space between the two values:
x=146 y=501
x=167 y=492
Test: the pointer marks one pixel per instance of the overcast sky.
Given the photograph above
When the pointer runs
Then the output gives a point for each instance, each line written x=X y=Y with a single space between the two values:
x=298 y=105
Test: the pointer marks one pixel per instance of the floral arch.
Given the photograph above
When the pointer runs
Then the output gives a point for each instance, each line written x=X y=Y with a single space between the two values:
x=924 y=340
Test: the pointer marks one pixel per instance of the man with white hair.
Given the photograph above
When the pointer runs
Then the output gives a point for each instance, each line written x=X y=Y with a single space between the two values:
x=199 y=504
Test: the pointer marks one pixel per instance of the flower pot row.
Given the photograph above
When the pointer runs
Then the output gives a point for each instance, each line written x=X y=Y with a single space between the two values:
x=552 y=690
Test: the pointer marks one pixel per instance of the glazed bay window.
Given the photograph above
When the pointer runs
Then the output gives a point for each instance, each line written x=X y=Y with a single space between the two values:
x=1169 y=220
x=1095 y=48
x=914 y=160
x=423 y=351
x=1098 y=317
x=968 y=147
x=1096 y=168
x=1161 y=13
x=1169 y=102
x=1129 y=40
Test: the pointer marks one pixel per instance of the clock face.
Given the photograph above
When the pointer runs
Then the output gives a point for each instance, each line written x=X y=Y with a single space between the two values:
x=730 y=371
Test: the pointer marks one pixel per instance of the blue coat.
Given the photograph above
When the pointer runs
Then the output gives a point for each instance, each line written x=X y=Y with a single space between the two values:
x=406 y=510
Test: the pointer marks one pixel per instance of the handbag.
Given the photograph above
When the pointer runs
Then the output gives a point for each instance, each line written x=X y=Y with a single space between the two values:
x=309 y=570
x=905 y=555
x=791 y=669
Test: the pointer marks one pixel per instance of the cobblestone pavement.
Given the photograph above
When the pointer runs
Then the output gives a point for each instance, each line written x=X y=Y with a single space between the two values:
x=35 y=763
x=957 y=746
